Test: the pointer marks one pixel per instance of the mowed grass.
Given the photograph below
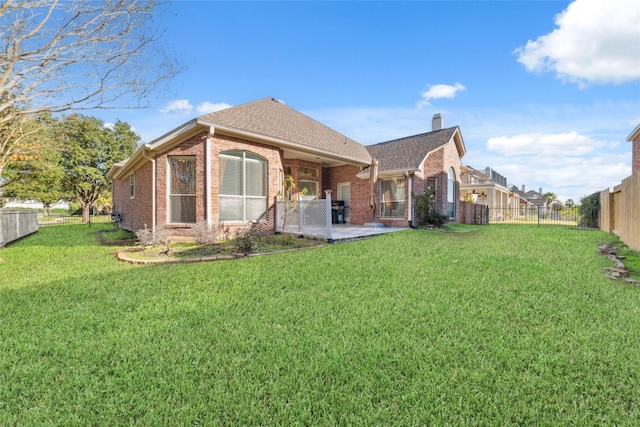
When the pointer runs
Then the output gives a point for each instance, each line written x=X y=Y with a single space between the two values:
x=502 y=326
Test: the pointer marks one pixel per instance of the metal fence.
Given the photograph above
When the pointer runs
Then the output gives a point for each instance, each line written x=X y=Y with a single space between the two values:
x=63 y=219
x=16 y=223
x=540 y=215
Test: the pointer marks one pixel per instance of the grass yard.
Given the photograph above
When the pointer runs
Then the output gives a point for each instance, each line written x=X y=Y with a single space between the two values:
x=502 y=326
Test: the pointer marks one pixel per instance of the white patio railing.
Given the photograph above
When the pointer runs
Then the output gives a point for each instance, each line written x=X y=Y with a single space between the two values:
x=310 y=218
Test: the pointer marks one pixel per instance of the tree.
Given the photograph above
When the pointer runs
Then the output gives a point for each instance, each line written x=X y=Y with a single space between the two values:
x=58 y=55
x=549 y=198
x=90 y=149
x=39 y=178
x=589 y=211
x=37 y=173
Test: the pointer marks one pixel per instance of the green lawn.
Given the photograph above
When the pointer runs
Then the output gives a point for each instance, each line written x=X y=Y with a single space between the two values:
x=502 y=326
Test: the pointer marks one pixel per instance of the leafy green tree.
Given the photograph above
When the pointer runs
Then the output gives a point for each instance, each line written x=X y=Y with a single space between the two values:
x=39 y=178
x=549 y=199
x=90 y=149
x=589 y=211
x=36 y=173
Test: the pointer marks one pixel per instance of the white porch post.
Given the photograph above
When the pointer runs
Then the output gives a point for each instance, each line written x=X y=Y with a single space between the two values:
x=329 y=223
x=299 y=209
x=207 y=175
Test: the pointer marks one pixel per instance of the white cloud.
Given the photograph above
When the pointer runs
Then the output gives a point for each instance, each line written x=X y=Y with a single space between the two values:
x=180 y=107
x=539 y=144
x=210 y=107
x=110 y=126
x=439 y=91
x=595 y=41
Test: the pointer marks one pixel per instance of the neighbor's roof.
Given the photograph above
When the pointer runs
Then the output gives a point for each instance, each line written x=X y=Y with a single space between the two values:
x=408 y=153
x=274 y=119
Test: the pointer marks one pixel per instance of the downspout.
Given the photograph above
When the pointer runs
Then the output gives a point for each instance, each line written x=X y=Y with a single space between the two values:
x=410 y=199
x=207 y=175
x=145 y=149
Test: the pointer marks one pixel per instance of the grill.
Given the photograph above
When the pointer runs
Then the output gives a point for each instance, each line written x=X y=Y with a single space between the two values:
x=337 y=211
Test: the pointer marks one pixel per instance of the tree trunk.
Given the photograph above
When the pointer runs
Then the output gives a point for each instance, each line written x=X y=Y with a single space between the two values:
x=86 y=214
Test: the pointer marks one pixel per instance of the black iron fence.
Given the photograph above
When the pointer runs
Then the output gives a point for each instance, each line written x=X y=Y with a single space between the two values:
x=541 y=215
x=66 y=219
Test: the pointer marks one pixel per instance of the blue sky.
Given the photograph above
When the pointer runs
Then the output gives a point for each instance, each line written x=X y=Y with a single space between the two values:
x=544 y=92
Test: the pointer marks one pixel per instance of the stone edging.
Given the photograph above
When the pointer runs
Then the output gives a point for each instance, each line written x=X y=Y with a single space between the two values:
x=619 y=272
x=122 y=256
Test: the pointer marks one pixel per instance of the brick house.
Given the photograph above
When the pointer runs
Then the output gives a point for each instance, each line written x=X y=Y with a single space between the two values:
x=634 y=138
x=408 y=166
x=228 y=166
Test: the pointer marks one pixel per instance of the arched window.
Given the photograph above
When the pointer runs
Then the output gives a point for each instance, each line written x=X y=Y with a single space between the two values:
x=243 y=187
x=451 y=193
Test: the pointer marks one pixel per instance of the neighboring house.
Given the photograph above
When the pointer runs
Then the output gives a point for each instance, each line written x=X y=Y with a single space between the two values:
x=408 y=166
x=521 y=197
x=228 y=167
x=634 y=138
x=489 y=188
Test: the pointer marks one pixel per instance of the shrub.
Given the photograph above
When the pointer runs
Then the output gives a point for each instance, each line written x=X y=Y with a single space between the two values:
x=426 y=212
x=589 y=211
x=146 y=236
x=205 y=234
x=246 y=241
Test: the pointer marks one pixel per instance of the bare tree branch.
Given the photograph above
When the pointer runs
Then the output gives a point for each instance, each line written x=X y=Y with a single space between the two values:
x=60 y=55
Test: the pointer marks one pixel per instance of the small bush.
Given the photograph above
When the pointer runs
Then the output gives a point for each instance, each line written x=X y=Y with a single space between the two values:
x=146 y=237
x=246 y=241
x=205 y=234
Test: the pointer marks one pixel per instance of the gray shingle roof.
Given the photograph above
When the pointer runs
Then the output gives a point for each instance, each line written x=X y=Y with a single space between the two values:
x=407 y=153
x=274 y=119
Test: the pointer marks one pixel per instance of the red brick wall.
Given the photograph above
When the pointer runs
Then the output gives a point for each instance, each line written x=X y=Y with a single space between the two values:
x=359 y=212
x=295 y=173
x=137 y=210
x=437 y=166
x=635 y=162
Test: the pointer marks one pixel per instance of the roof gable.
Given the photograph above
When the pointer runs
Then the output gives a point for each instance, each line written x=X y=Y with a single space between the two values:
x=408 y=153
x=274 y=119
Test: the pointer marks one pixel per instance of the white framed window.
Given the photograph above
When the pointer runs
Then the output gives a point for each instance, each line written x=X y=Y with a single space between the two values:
x=392 y=197
x=132 y=186
x=243 y=187
x=311 y=187
x=308 y=171
x=182 y=189
x=451 y=193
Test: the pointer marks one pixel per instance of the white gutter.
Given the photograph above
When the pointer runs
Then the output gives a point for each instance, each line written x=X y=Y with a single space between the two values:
x=146 y=148
x=286 y=144
x=207 y=175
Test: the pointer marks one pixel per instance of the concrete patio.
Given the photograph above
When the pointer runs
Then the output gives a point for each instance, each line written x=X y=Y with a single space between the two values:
x=348 y=232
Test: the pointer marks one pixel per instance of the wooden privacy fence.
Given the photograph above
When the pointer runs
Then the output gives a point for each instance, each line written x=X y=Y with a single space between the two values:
x=473 y=213
x=621 y=211
x=17 y=223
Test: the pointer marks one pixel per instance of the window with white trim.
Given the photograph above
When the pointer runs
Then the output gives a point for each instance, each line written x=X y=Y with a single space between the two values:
x=311 y=187
x=308 y=171
x=451 y=193
x=243 y=187
x=182 y=189
x=392 y=197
